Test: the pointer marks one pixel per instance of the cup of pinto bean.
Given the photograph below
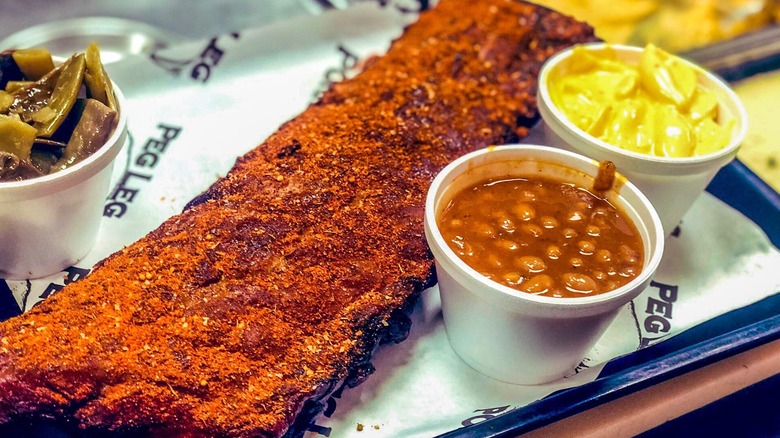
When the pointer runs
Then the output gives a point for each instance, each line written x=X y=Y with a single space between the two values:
x=536 y=251
x=668 y=124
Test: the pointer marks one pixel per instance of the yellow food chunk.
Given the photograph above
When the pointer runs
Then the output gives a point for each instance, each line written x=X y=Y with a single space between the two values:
x=654 y=107
x=16 y=137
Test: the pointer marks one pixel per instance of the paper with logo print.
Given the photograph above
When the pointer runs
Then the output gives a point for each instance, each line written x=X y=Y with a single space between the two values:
x=193 y=109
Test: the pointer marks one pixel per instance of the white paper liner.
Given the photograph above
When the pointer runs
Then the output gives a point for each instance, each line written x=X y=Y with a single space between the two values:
x=230 y=93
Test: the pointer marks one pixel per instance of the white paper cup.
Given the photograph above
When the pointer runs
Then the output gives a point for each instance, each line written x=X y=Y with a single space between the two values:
x=515 y=336
x=50 y=223
x=671 y=184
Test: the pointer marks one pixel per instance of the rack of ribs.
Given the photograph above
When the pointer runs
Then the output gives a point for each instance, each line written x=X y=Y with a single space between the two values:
x=273 y=288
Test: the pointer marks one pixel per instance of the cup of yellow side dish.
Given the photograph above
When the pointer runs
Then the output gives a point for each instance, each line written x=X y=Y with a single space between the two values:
x=50 y=222
x=666 y=123
x=528 y=280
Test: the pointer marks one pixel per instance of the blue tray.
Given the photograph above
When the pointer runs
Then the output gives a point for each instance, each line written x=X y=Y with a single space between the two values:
x=711 y=341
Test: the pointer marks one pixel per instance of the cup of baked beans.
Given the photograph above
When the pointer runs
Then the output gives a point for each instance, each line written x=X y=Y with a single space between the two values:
x=536 y=251
x=668 y=124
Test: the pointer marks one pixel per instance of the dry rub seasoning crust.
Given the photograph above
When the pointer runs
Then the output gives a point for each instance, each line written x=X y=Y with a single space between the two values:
x=274 y=285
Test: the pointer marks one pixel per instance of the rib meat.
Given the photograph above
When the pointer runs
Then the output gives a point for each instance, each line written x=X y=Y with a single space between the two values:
x=275 y=285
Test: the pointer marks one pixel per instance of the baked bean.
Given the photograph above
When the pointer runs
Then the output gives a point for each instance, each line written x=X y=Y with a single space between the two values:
x=494 y=261
x=549 y=222
x=603 y=256
x=462 y=248
x=628 y=272
x=531 y=264
x=513 y=229
x=507 y=225
x=507 y=245
x=586 y=247
x=528 y=195
x=485 y=230
x=579 y=283
x=532 y=229
x=524 y=211
x=538 y=284
x=504 y=221
x=512 y=277
x=629 y=255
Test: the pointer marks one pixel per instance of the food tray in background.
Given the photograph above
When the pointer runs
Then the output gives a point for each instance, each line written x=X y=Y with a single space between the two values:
x=721 y=337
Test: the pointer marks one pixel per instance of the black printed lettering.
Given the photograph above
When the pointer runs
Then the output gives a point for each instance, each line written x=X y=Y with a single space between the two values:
x=129 y=175
x=320 y=430
x=50 y=290
x=659 y=307
x=124 y=194
x=126 y=190
x=147 y=159
x=169 y=133
x=154 y=145
x=114 y=209
x=655 y=324
x=212 y=53
x=202 y=63
x=349 y=61
x=417 y=5
x=201 y=72
x=667 y=292
x=659 y=311
x=172 y=66
x=75 y=274
x=485 y=414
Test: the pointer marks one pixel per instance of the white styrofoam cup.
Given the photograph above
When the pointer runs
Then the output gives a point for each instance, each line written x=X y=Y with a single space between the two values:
x=51 y=222
x=515 y=336
x=671 y=184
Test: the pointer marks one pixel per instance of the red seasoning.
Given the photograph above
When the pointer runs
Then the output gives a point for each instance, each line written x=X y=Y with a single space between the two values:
x=543 y=237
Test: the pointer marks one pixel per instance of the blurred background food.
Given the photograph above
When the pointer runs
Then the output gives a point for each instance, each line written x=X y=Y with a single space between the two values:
x=674 y=25
x=761 y=149
x=679 y=26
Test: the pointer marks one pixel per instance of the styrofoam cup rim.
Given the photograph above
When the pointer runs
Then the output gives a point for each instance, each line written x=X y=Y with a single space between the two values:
x=558 y=121
x=653 y=237
x=12 y=191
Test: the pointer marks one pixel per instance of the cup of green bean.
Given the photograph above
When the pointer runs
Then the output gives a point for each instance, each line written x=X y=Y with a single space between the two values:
x=61 y=128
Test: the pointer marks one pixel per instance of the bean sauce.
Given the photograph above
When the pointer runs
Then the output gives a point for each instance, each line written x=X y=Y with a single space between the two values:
x=542 y=236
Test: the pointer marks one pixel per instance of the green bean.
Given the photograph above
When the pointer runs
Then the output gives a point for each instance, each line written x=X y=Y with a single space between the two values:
x=62 y=98
x=12 y=86
x=34 y=63
x=6 y=100
x=98 y=85
x=28 y=100
x=16 y=137
x=96 y=124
